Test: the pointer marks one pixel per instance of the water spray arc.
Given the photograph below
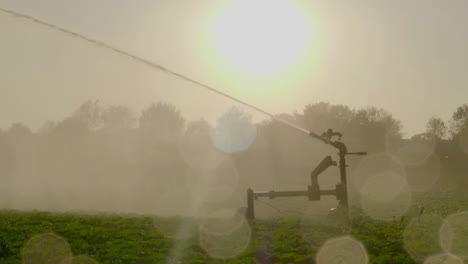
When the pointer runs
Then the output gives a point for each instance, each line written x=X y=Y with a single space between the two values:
x=313 y=192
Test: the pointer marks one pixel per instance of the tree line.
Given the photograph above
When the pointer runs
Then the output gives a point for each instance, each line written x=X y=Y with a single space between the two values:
x=112 y=158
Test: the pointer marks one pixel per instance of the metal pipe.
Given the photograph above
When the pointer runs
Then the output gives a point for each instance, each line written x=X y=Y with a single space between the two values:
x=274 y=194
x=323 y=165
x=327 y=192
x=343 y=165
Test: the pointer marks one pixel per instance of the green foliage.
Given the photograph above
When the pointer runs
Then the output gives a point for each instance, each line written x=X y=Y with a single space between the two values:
x=383 y=240
x=45 y=249
x=108 y=239
x=145 y=240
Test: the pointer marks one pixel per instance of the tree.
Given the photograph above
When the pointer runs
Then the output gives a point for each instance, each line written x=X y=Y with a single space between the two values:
x=161 y=122
x=375 y=128
x=118 y=118
x=437 y=127
x=280 y=150
x=198 y=132
x=70 y=138
x=459 y=122
x=19 y=132
x=321 y=116
x=196 y=147
x=90 y=114
x=374 y=115
x=7 y=159
x=159 y=161
x=70 y=128
x=47 y=127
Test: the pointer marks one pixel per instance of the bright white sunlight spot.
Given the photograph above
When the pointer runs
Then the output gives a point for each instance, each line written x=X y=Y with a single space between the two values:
x=262 y=36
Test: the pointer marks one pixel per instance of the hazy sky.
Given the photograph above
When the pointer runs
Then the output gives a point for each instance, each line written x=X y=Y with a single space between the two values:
x=408 y=57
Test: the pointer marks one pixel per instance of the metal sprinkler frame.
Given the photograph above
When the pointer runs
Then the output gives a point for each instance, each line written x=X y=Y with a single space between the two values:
x=313 y=192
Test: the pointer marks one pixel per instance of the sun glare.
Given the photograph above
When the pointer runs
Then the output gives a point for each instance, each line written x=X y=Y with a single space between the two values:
x=260 y=36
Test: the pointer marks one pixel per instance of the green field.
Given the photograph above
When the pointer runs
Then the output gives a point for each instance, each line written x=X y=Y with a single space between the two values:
x=143 y=240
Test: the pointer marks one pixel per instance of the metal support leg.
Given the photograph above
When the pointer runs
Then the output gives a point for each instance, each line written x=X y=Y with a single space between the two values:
x=250 y=214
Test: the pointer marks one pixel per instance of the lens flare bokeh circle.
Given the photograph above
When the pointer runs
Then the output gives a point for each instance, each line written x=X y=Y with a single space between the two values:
x=212 y=185
x=454 y=234
x=234 y=131
x=46 y=248
x=385 y=196
x=224 y=234
x=342 y=250
x=443 y=259
x=82 y=259
x=421 y=236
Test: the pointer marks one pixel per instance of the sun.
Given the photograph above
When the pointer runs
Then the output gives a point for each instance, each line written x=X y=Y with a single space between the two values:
x=260 y=36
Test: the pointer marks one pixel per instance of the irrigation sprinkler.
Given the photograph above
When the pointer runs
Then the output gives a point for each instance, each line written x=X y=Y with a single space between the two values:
x=313 y=191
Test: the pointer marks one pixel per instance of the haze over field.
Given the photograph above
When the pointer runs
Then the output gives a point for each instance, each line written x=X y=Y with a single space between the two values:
x=158 y=162
x=150 y=139
x=240 y=131
x=405 y=56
